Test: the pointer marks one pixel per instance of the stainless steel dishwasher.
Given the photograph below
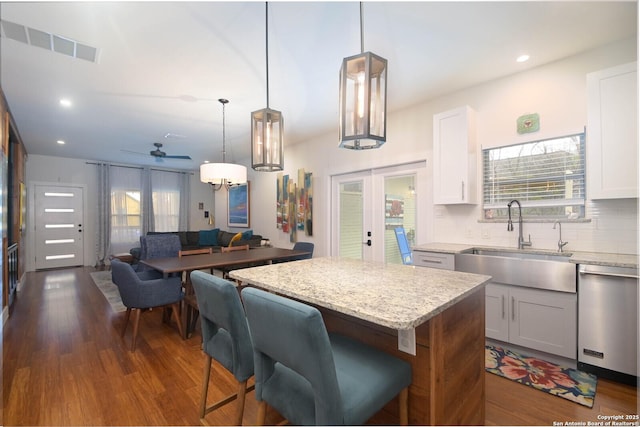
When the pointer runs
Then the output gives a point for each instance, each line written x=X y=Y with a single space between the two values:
x=608 y=322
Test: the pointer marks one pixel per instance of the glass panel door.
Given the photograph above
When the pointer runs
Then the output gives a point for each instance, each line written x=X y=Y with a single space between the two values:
x=400 y=211
x=349 y=207
x=368 y=206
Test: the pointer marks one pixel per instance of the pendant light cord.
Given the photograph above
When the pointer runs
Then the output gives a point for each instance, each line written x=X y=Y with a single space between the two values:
x=224 y=135
x=361 y=30
x=266 y=26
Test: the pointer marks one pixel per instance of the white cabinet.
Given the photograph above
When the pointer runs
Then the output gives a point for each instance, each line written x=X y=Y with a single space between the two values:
x=454 y=157
x=434 y=260
x=533 y=318
x=612 y=133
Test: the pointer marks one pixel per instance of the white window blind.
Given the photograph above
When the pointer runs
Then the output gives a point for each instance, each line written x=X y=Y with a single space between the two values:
x=547 y=177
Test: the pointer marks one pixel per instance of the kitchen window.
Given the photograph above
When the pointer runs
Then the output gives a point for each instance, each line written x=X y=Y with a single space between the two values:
x=546 y=176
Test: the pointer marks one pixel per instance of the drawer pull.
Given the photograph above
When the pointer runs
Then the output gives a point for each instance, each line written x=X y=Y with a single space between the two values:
x=432 y=261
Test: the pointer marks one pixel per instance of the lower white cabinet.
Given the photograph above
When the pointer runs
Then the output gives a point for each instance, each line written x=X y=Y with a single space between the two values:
x=533 y=318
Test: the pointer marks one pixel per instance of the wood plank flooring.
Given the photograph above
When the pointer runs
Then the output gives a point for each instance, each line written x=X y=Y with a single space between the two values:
x=64 y=363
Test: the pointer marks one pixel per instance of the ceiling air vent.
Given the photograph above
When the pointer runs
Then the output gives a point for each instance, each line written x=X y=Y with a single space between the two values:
x=44 y=40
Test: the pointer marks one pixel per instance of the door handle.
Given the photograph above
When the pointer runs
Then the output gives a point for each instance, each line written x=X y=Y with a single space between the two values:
x=368 y=242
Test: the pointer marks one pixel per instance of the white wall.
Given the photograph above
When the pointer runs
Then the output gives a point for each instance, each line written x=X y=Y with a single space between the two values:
x=557 y=92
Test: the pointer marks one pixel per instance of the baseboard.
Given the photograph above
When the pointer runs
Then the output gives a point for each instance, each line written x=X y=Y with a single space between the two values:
x=5 y=317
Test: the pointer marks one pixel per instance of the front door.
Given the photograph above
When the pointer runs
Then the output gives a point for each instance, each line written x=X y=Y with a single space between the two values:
x=59 y=219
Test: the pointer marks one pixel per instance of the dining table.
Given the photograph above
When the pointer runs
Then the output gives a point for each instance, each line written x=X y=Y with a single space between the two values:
x=431 y=318
x=218 y=260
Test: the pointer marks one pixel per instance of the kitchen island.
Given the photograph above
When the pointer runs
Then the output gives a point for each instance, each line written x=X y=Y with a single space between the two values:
x=441 y=312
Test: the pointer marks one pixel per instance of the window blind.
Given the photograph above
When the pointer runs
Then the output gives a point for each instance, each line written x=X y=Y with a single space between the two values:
x=547 y=177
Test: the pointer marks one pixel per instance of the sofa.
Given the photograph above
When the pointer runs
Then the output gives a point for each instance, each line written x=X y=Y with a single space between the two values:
x=215 y=239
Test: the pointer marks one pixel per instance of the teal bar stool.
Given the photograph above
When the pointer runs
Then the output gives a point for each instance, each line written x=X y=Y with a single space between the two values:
x=225 y=338
x=314 y=378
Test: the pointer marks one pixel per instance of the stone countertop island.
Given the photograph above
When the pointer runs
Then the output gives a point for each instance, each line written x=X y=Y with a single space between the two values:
x=441 y=311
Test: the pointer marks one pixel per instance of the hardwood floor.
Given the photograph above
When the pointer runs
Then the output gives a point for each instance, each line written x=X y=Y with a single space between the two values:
x=64 y=363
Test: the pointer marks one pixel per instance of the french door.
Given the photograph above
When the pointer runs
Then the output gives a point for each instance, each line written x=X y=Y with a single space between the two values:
x=58 y=213
x=367 y=207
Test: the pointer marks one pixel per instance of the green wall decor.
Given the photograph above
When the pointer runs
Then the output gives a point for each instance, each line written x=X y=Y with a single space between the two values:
x=528 y=123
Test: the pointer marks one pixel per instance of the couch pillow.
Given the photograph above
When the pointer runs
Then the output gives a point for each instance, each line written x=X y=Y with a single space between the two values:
x=208 y=237
x=192 y=238
x=246 y=235
x=224 y=238
x=235 y=238
x=183 y=237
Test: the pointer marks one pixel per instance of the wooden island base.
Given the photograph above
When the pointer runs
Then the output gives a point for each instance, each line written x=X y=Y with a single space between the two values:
x=448 y=368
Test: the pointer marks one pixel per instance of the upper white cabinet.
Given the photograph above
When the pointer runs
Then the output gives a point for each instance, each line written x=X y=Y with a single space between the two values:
x=454 y=157
x=612 y=133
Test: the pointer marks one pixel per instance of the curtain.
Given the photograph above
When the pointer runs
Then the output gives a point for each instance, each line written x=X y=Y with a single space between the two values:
x=103 y=226
x=127 y=209
x=169 y=200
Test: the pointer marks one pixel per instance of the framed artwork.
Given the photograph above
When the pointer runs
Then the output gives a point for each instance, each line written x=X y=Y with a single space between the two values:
x=238 y=209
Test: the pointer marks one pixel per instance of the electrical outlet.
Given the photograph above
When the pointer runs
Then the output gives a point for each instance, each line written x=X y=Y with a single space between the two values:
x=486 y=234
x=469 y=232
x=407 y=341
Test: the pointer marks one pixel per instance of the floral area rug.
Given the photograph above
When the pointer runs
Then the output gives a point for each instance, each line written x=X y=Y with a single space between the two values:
x=102 y=279
x=568 y=383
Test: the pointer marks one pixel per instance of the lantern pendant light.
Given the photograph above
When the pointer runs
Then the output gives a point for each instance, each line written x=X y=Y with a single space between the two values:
x=363 y=99
x=223 y=174
x=267 y=127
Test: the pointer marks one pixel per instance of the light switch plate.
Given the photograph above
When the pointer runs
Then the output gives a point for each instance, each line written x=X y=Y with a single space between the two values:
x=407 y=341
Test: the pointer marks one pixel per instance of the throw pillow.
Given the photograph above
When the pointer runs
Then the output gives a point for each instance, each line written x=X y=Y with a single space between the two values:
x=238 y=236
x=208 y=237
x=246 y=235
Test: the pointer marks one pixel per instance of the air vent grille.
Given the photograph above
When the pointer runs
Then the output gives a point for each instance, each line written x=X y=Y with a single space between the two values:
x=44 y=40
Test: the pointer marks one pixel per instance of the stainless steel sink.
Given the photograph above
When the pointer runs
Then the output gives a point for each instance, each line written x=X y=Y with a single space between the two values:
x=520 y=254
x=551 y=271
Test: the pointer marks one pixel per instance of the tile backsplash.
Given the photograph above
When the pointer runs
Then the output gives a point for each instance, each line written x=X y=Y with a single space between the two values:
x=612 y=227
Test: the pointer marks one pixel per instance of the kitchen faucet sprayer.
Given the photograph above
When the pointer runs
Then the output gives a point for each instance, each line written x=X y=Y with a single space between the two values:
x=561 y=244
x=521 y=242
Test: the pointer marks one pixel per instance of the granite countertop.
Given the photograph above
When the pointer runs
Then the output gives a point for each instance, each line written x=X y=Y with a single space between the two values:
x=391 y=295
x=576 y=257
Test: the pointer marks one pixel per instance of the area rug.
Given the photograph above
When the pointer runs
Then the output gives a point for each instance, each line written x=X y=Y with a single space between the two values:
x=102 y=279
x=568 y=383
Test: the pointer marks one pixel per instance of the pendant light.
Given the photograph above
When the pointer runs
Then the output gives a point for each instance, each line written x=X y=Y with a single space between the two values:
x=267 y=127
x=223 y=174
x=363 y=99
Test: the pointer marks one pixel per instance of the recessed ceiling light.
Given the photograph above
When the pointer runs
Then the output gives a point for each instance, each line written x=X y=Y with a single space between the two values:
x=65 y=102
x=61 y=142
x=522 y=58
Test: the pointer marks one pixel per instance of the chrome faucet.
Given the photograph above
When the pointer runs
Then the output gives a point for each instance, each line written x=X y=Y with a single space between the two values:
x=561 y=244
x=521 y=242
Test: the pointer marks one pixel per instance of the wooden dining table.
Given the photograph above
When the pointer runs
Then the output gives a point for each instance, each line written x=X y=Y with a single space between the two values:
x=227 y=260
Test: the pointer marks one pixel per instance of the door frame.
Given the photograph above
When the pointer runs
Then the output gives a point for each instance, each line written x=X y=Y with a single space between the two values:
x=30 y=238
x=376 y=177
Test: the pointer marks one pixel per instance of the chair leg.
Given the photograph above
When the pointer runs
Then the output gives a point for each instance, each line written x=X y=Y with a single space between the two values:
x=136 y=323
x=242 y=392
x=205 y=385
x=262 y=413
x=126 y=322
x=404 y=406
x=175 y=309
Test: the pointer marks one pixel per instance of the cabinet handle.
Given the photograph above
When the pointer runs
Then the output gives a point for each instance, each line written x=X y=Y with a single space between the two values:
x=432 y=261
x=462 y=187
x=513 y=309
x=503 y=306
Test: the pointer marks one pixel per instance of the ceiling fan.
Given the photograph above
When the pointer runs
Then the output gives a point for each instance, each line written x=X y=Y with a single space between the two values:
x=159 y=154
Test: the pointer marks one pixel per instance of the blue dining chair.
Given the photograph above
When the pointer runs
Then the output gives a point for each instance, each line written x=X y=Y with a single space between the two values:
x=158 y=246
x=314 y=378
x=225 y=338
x=140 y=291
